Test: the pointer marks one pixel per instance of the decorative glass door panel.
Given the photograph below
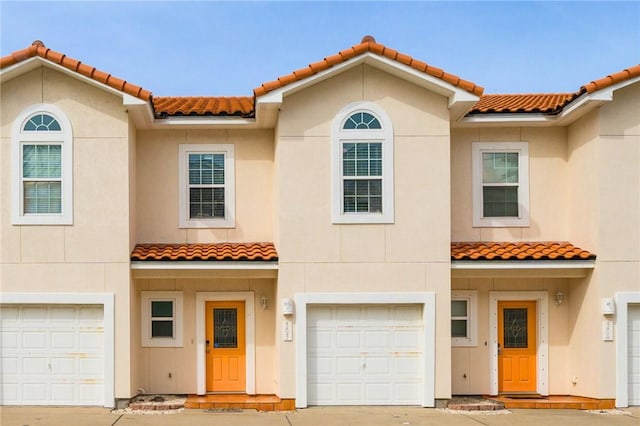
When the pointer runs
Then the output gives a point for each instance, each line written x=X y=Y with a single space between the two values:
x=225 y=346
x=517 y=346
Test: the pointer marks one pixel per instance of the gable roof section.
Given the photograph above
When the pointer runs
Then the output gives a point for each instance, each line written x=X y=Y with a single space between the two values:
x=611 y=79
x=38 y=49
x=545 y=103
x=368 y=44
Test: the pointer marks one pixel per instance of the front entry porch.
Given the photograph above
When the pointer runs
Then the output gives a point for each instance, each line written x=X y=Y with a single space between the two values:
x=240 y=401
x=556 y=402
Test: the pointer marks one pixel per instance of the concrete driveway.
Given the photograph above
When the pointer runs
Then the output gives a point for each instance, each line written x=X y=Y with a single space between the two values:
x=315 y=416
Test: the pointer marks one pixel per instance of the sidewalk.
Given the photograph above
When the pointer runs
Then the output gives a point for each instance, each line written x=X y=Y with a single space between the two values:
x=315 y=416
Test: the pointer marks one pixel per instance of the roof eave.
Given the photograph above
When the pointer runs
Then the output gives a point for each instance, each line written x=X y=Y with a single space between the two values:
x=522 y=268
x=575 y=109
x=140 y=110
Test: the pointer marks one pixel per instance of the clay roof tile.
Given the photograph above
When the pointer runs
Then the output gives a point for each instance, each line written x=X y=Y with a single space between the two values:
x=539 y=250
x=38 y=48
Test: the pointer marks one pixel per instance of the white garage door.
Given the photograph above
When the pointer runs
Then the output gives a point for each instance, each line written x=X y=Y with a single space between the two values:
x=365 y=354
x=52 y=355
x=634 y=354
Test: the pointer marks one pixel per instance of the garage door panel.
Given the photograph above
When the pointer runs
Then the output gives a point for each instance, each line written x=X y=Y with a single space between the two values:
x=407 y=340
x=62 y=340
x=321 y=366
x=34 y=392
x=347 y=314
x=349 y=392
x=52 y=356
x=36 y=340
x=348 y=339
x=319 y=339
x=348 y=366
x=378 y=392
x=368 y=355
x=62 y=366
x=376 y=339
x=380 y=366
x=9 y=340
x=35 y=366
x=90 y=340
x=406 y=366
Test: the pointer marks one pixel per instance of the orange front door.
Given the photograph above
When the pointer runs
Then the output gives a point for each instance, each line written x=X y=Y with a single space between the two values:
x=226 y=349
x=517 y=346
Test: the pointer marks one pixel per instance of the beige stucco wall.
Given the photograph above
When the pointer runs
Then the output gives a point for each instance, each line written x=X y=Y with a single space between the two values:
x=547 y=169
x=92 y=255
x=158 y=185
x=410 y=255
x=604 y=174
x=155 y=365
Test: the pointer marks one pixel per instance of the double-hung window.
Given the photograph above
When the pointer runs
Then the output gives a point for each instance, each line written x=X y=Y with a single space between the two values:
x=362 y=166
x=42 y=155
x=501 y=184
x=464 y=322
x=162 y=318
x=207 y=197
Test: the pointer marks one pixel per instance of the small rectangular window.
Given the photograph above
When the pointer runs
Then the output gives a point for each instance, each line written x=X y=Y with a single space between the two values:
x=161 y=318
x=464 y=321
x=459 y=318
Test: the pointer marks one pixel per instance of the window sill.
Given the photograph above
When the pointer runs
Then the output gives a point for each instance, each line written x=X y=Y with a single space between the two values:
x=368 y=218
x=501 y=222
x=204 y=223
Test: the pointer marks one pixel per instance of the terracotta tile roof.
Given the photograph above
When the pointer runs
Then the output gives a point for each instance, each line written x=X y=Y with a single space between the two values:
x=539 y=250
x=368 y=44
x=210 y=252
x=612 y=79
x=203 y=106
x=543 y=102
x=38 y=48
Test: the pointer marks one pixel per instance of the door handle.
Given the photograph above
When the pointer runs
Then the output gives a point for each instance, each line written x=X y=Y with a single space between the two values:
x=499 y=349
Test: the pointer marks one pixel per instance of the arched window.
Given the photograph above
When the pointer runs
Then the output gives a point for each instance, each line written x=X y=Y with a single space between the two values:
x=42 y=155
x=362 y=165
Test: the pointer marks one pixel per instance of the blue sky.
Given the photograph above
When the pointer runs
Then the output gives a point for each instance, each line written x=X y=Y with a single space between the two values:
x=207 y=48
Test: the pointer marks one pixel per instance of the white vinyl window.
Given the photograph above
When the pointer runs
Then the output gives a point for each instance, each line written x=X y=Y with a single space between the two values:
x=464 y=318
x=42 y=169
x=207 y=193
x=161 y=319
x=500 y=184
x=362 y=161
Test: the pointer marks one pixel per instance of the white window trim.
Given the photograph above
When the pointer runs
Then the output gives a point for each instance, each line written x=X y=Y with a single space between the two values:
x=229 y=185
x=522 y=148
x=65 y=139
x=146 y=298
x=471 y=297
x=340 y=136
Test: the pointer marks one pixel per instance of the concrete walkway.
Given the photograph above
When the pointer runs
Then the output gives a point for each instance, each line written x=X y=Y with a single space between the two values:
x=316 y=416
